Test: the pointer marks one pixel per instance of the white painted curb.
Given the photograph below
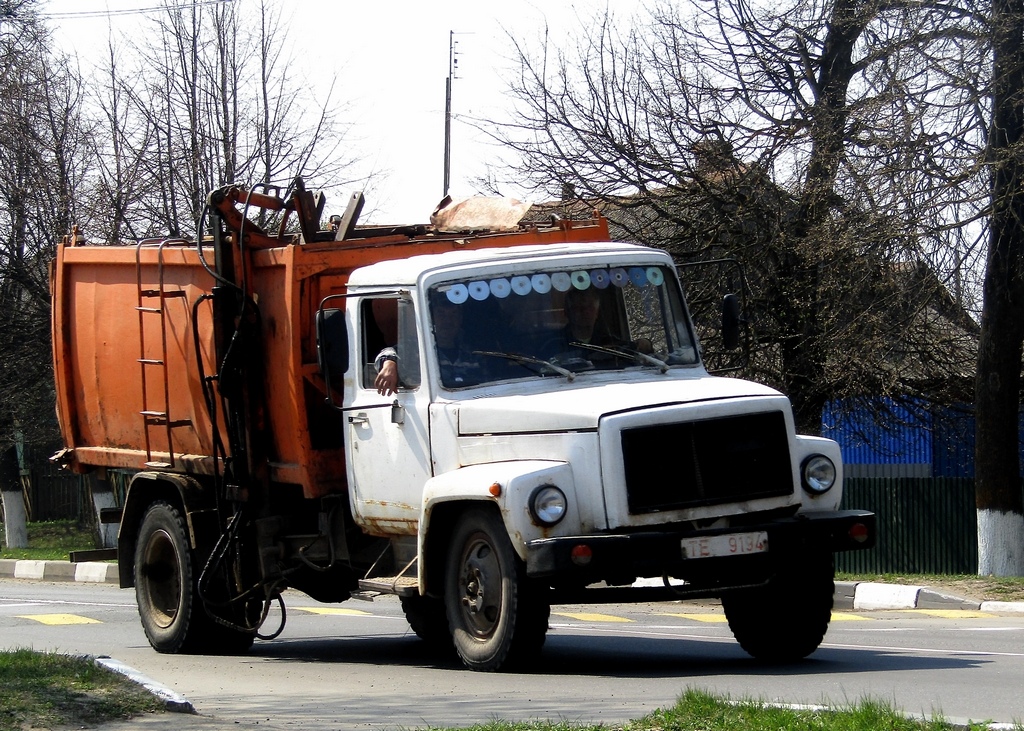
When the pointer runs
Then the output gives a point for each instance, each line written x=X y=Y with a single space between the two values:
x=25 y=569
x=885 y=596
x=173 y=701
x=95 y=572
x=1003 y=607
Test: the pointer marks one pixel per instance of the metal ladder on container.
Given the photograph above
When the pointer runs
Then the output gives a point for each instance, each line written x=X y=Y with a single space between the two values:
x=156 y=415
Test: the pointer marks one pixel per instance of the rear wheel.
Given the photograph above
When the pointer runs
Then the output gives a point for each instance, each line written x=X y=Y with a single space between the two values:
x=786 y=619
x=165 y=588
x=498 y=617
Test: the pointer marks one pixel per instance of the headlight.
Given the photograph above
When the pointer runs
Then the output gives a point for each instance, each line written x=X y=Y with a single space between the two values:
x=547 y=505
x=819 y=474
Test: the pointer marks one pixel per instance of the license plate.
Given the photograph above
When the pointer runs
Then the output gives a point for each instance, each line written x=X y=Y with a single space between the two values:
x=732 y=544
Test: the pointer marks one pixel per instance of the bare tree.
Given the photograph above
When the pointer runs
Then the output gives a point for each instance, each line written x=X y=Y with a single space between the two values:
x=831 y=146
x=998 y=490
x=210 y=98
x=43 y=154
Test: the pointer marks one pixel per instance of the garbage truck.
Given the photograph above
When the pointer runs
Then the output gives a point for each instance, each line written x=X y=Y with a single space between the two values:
x=549 y=435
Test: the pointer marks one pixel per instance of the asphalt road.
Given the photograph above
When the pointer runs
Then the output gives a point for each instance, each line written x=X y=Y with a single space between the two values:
x=358 y=666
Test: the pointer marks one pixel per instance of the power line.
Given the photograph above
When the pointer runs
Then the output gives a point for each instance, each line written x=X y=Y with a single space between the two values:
x=84 y=14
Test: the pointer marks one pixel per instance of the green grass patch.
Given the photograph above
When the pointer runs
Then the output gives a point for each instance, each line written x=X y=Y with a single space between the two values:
x=51 y=540
x=43 y=690
x=701 y=711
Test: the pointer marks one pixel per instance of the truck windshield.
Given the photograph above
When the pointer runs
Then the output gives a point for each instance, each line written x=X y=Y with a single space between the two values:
x=563 y=322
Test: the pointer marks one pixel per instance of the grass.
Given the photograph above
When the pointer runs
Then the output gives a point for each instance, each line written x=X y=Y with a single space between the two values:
x=700 y=711
x=43 y=690
x=969 y=586
x=50 y=540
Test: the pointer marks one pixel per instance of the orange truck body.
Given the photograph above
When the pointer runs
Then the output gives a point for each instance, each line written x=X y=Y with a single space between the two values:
x=124 y=346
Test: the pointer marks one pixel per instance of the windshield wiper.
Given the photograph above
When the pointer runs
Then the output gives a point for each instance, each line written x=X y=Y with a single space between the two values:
x=624 y=351
x=524 y=359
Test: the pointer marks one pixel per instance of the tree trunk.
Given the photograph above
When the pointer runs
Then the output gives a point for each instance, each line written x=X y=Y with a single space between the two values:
x=998 y=495
x=15 y=518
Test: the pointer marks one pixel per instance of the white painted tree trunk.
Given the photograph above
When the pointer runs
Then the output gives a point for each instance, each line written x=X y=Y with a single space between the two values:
x=1000 y=543
x=15 y=526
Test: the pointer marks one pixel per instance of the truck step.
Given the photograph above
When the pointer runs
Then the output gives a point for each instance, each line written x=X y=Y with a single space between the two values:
x=400 y=585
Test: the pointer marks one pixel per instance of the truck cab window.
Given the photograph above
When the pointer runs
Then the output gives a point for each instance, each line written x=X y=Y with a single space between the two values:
x=389 y=322
x=544 y=323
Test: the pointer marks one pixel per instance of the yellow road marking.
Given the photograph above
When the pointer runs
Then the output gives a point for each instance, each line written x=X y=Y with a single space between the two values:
x=56 y=619
x=699 y=617
x=954 y=613
x=334 y=611
x=844 y=617
x=588 y=617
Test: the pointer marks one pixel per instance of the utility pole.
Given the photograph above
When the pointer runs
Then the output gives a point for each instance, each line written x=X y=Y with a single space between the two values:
x=452 y=63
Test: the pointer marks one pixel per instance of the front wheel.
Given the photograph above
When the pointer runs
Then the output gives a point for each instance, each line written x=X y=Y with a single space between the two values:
x=786 y=619
x=426 y=615
x=497 y=616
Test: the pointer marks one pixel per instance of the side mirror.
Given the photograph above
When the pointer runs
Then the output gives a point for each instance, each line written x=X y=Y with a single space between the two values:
x=331 y=345
x=731 y=321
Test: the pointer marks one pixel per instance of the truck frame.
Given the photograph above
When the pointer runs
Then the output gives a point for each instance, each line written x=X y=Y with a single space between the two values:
x=233 y=378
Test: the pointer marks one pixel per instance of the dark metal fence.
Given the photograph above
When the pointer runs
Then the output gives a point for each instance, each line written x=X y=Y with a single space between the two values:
x=925 y=525
x=56 y=494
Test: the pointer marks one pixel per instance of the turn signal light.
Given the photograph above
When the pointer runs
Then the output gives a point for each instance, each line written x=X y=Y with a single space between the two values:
x=581 y=554
x=858 y=532
x=495 y=489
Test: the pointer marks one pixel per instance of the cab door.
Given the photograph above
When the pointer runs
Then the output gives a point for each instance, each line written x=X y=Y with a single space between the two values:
x=387 y=444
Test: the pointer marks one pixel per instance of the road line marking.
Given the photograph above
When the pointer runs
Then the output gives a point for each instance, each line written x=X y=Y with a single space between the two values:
x=845 y=617
x=59 y=619
x=955 y=613
x=590 y=617
x=334 y=611
x=699 y=617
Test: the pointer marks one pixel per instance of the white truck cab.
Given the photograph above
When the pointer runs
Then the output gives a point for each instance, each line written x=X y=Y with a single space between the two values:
x=555 y=437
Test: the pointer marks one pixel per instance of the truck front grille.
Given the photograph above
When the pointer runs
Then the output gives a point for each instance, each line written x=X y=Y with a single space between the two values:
x=684 y=465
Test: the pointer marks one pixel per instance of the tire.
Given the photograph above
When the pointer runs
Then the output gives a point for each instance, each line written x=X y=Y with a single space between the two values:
x=165 y=590
x=428 y=619
x=498 y=618
x=785 y=620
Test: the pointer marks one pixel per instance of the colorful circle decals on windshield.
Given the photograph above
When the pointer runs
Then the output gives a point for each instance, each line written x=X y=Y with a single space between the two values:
x=521 y=285
x=479 y=291
x=580 y=280
x=599 y=278
x=500 y=288
x=638 y=276
x=618 y=276
x=561 y=281
x=655 y=277
x=541 y=283
x=457 y=294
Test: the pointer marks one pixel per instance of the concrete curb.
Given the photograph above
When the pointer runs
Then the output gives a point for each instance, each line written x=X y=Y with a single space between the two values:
x=868 y=596
x=172 y=701
x=91 y=572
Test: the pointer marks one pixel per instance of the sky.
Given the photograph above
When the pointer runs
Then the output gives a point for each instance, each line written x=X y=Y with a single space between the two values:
x=390 y=59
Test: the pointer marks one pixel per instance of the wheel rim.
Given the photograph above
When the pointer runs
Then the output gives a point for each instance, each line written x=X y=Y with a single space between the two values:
x=163 y=578
x=480 y=585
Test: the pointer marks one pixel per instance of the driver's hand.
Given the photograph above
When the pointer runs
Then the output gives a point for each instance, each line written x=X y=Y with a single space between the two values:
x=386 y=381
